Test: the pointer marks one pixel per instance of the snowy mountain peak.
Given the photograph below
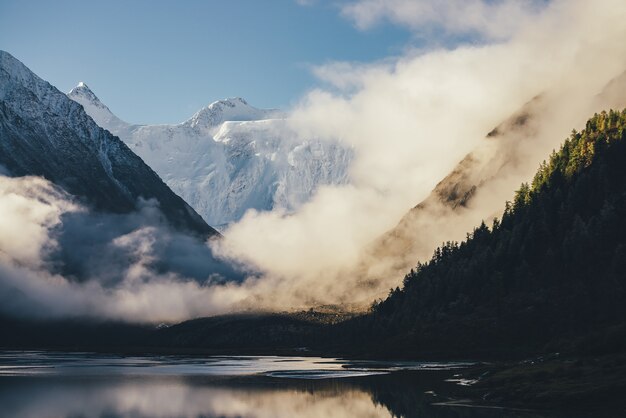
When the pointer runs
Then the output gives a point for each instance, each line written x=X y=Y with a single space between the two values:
x=84 y=93
x=232 y=109
x=232 y=101
x=230 y=157
x=82 y=88
x=97 y=110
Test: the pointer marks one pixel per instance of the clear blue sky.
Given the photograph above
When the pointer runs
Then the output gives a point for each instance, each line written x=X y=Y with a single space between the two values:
x=154 y=61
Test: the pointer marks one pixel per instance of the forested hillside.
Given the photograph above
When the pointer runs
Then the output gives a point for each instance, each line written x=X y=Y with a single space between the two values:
x=551 y=274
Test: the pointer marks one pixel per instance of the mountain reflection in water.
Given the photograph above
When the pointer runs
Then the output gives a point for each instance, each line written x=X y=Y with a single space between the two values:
x=35 y=384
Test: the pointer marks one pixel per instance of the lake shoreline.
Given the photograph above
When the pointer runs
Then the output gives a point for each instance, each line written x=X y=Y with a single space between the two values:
x=543 y=384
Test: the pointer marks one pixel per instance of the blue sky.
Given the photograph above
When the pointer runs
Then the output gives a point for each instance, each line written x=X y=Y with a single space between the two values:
x=159 y=61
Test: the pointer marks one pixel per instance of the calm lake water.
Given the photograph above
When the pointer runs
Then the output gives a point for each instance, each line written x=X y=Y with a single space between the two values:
x=64 y=385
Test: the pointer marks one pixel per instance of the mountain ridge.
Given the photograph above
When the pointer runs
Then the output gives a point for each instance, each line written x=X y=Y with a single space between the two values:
x=546 y=276
x=462 y=198
x=245 y=157
x=47 y=134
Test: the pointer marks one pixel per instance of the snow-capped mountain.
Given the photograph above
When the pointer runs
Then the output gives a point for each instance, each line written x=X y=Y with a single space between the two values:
x=97 y=110
x=229 y=157
x=44 y=133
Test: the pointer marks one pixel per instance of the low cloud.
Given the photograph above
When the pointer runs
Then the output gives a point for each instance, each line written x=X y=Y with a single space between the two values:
x=58 y=259
x=409 y=121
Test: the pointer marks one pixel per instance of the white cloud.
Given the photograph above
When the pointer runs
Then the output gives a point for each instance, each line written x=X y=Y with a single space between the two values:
x=57 y=260
x=409 y=121
x=493 y=19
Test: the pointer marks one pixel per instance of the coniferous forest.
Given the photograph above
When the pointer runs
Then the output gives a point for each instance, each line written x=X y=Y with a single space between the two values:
x=549 y=275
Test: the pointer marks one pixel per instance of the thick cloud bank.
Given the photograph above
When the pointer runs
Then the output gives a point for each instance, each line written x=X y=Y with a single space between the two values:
x=57 y=259
x=409 y=120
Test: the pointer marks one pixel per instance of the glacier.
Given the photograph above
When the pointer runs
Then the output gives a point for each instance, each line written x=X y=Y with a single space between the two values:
x=230 y=157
